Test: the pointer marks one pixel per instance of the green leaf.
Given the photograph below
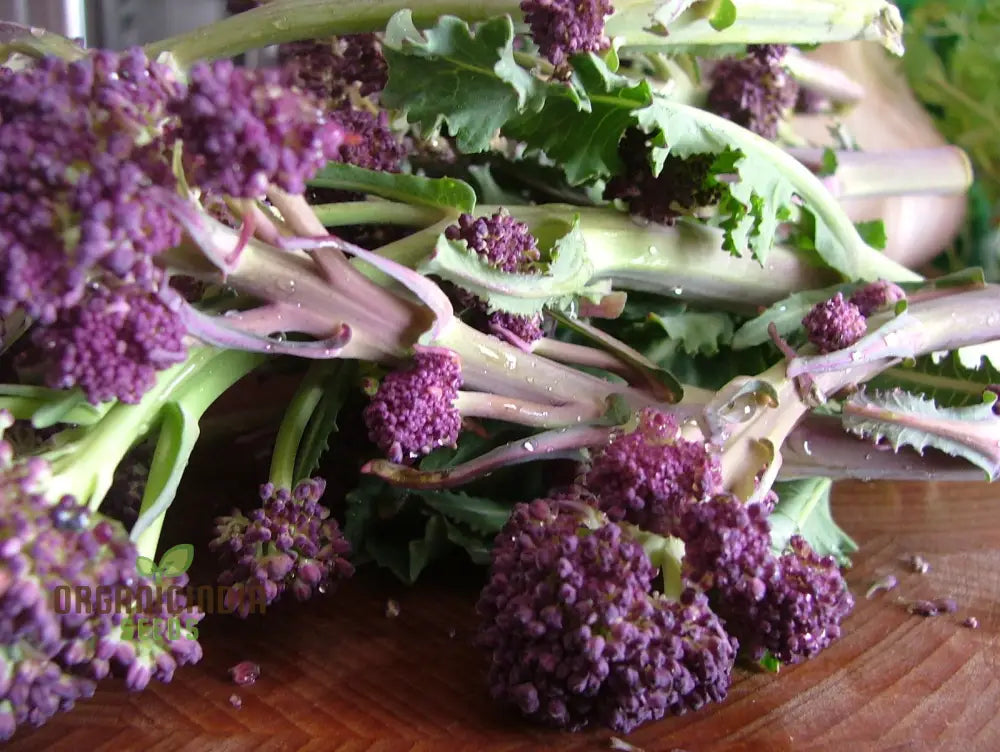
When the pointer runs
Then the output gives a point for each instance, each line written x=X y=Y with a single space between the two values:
x=475 y=546
x=697 y=332
x=178 y=435
x=906 y=419
x=873 y=233
x=443 y=193
x=176 y=560
x=945 y=380
x=565 y=277
x=481 y=514
x=424 y=550
x=145 y=566
x=323 y=422
x=585 y=143
x=786 y=314
x=724 y=15
x=469 y=80
x=804 y=509
x=828 y=163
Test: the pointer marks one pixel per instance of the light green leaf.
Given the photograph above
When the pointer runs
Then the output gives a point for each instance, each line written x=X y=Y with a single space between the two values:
x=804 y=509
x=145 y=566
x=906 y=419
x=444 y=193
x=786 y=315
x=564 y=278
x=697 y=332
x=873 y=233
x=468 y=80
x=176 y=560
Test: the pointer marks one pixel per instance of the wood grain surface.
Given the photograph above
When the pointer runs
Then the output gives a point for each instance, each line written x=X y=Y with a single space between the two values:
x=337 y=674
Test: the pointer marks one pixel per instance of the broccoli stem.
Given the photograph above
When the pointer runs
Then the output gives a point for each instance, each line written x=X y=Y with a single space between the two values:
x=293 y=424
x=805 y=21
x=181 y=411
x=761 y=21
x=942 y=170
x=501 y=407
x=375 y=213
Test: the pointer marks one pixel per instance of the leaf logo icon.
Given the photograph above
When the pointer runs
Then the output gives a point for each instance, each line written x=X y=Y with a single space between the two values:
x=175 y=561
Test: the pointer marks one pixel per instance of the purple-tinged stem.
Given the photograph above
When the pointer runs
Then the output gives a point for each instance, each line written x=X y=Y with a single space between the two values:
x=899 y=337
x=581 y=355
x=499 y=407
x=826 y=80
x=562 y=443
x=819 y=446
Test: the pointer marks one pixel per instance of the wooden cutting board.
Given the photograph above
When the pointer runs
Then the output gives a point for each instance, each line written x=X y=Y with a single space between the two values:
x=338 y=674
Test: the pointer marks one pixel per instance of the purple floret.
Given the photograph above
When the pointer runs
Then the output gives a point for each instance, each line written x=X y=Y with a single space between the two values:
x=372 y=145
x=327 y=68
x=519 y=330
x=651 y=475
x=754 y=91
x=244 y=130
x=290 y=543
x=502 y=241
x=791 y=605
x=58 y=632
x=112 y=344
x=81 y=176
x=681 y=188
x=876 y=295
x=800 y=615
x=413 y=411
x=834 y=324
x=562 y=28
x=575 y=636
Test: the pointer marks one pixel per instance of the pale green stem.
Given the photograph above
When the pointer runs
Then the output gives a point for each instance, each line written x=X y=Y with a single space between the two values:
x=375 y=213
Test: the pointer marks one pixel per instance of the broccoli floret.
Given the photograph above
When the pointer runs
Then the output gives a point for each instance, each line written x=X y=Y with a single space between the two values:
x=754 y=91
x=562 y=28
x=576 y=635
x=834 y=324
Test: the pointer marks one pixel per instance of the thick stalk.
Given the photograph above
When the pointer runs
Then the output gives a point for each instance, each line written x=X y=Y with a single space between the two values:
x=761 y=21
x=375 y=213
x=500 y=407
x=292 y=20
x=293 y=424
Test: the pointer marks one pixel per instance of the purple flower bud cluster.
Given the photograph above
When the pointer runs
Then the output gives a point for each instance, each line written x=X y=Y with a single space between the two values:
x=502 y=241
x=754 y=91
x=652 y=475
x=244 y=130
x=413 y=410
x=57 y=631
x=562 y=28
x=328 y=68
x=290 y=542
x=682 y=187
x=81 y=171
x=371 y=143
x=876 y=295
x=575 y=635
x=790 y=605
x=507 y=244
x=111 y=344
x=835 y=324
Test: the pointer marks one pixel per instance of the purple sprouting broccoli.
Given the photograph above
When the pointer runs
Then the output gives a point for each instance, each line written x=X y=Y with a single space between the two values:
x=244 y=130
x=562 y=28
x=373 y=145
x=834 y=324
x=290 y=543
x=790 y=605
x=576 y=635
x=875 y=296
x=683 y=186
x=327 y=68
x=111 y=344
x=502 y=241
x=651 y=475
x=57 y=634
x=506 y=244
x=413 y=411
x=81 y=176
x=754 y=91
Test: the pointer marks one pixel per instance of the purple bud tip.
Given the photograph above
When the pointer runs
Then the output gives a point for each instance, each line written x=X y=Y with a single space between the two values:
x=562 y=28
x=834 y=324
x=502 y=241
x=876 y=295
